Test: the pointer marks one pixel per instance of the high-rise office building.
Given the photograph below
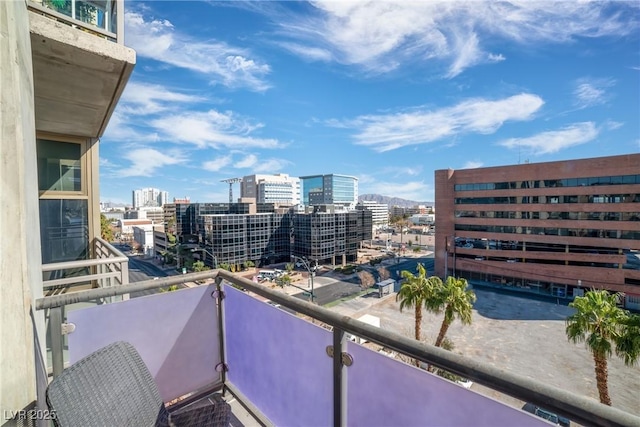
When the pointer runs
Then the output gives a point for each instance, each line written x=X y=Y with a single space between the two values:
x=149 y=197
x=379 y=212
x=279 y=188
x=331 y=189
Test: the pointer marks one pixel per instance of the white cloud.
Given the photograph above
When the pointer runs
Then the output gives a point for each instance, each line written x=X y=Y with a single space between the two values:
x=413 y=190
x=247 y=162
x=613 y=125
x=216 y=164
x=145 y=161
x=392 y=131
x=159 y=40
x=379 y=36
x=554 y=141
x=591 y=92
x=471 y=164
x=144 y=99
x=271 y=165
x=212 y=129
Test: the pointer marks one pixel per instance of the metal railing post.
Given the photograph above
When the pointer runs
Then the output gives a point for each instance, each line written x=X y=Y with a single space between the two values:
x=339 y=380
x=57 y=357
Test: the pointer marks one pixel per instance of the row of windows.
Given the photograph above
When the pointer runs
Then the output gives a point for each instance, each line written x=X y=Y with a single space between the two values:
x=514 y=245
x=573 y=232
x=551 y=183
x=591 y=216
x=554 y=261
x=590 y=198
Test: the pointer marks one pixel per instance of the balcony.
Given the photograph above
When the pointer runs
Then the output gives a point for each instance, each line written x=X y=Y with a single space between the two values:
x=103 y=18
x=80 y=63
x=288 y=370
x=108 y=267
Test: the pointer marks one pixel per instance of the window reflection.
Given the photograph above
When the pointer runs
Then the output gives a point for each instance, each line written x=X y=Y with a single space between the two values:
x=64 y=230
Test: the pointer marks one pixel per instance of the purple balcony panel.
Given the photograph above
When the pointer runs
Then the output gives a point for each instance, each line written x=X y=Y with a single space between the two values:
x=385 y=392
x=278 y=361
x=176 y=334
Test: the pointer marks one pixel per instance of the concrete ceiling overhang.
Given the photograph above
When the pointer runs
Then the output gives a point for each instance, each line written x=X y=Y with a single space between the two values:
x=78 y=77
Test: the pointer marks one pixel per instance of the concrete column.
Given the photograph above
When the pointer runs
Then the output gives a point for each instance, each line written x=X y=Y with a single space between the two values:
x=22 y=329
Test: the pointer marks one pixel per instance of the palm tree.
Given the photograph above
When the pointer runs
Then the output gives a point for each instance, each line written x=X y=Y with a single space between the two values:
x=415 y=293
x=457 y=301
x=628 y=346
x=601 y=324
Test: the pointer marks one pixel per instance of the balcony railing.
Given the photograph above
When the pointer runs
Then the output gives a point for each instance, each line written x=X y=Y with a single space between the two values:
x=289 y=371
x=108 y=268
x=104 y=18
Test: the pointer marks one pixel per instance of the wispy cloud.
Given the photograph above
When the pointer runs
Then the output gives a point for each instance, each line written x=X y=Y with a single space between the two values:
x=391 y=131
x=554 y=141
x=271 y=165
x=471 y=164
x=216 y=164
x=591 y=92
x=380 y=36
x=247 y=162
x=145 y=161
x=212 y=129
x=145 y=99
x=223 y=64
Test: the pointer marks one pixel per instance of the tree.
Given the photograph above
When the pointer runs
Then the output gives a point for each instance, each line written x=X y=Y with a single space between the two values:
x=171 y=238
x=383 y=273
x=224 y=266
x=105 y=229
x=366 y=279
x=603 y=326
x=249 y=264
x=289 y=267
x=199 y=266
x=283 y=280
x=457 y=301
x=415 y=292
x=628 y=346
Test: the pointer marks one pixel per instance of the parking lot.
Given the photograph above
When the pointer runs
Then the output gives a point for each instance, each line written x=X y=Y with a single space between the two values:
x=520 y=335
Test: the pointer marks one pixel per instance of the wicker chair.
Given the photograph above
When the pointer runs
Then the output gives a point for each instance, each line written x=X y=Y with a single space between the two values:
x=113 y=387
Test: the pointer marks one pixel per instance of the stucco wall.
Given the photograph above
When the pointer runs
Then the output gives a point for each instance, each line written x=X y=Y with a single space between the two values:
x=20 y=259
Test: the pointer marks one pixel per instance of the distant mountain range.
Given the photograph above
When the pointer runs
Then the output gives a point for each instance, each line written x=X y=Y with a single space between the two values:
x=392 y=201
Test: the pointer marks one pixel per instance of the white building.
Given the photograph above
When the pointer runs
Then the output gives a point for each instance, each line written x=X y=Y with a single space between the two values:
x=278 y=188
x=143 y=235
x=423 y=219
x=155 y=214
x=126 y=225
x=149 y=197
x=379 y=212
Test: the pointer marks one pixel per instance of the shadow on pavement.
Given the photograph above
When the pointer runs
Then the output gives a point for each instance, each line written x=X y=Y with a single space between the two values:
x=496 y=304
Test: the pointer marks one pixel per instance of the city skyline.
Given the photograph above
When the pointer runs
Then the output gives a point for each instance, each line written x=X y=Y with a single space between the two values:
x=388 y=92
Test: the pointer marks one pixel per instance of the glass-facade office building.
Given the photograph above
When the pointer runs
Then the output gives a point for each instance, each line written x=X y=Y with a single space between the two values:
x=551 y=228
x=333 y=189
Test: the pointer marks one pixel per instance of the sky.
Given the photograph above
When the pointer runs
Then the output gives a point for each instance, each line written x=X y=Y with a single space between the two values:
x=385 y=91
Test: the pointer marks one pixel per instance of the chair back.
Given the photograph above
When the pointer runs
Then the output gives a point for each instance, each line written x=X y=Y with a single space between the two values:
x=110 y=387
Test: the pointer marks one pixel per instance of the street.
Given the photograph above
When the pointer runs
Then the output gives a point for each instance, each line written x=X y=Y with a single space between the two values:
x=330 y=289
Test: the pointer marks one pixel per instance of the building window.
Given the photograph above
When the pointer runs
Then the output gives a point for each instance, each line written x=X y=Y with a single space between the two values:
x=59 y=166
x=65 y=221
x=64 y=230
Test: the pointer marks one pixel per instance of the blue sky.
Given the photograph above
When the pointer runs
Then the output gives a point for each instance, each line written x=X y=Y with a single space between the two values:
x=385 y=91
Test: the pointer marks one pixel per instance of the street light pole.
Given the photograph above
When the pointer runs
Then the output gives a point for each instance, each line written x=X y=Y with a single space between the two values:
x=215 y=259
x=311 y=273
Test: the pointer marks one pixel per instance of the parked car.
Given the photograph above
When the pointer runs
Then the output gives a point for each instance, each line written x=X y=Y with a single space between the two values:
x=547 y=415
